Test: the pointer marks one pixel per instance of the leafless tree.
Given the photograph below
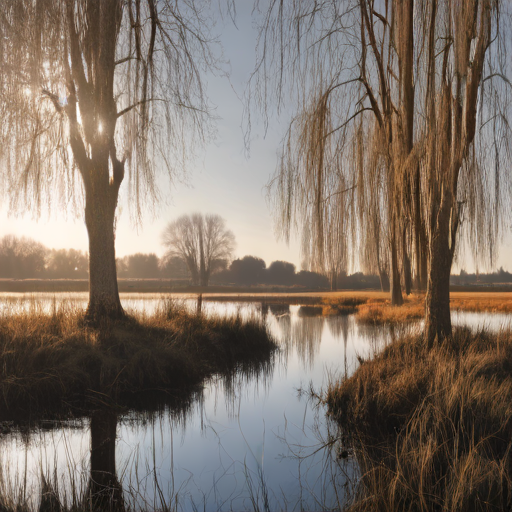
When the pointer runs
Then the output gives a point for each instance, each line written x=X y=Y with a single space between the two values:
x=340 y=60
x=95 y=91
x=202 y=241
x=466 y=91
x=406 y=100
x=21 y=258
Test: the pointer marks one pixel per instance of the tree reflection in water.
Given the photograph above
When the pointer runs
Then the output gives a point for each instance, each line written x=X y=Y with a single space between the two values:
x=104 y=491
x=306 y=338
x=339 y=326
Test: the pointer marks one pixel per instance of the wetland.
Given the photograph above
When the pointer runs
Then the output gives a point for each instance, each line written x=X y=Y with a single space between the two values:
x=251 y=435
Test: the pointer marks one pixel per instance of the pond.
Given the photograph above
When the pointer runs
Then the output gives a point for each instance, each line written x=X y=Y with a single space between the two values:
x=253 y=442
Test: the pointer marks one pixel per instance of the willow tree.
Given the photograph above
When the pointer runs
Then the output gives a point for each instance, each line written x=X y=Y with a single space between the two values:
x=313 y=193
x=349 y=68
x=95 y=92
x=419 y=88
x=465 y=91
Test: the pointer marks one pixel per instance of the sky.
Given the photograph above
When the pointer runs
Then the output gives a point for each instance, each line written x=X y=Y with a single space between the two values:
x=223 y=179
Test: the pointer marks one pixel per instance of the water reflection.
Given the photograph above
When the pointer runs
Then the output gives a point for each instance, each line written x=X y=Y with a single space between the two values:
x=339 y=326
x=104 y=491
x=277 y=309
x=248 y=440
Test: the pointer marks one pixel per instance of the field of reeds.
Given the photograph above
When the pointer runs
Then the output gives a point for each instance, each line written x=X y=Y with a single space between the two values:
x=431 y=429
x=51 y=362
x=374 y=309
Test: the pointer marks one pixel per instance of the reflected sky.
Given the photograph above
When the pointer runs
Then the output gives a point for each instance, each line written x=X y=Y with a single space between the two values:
x=248 y=441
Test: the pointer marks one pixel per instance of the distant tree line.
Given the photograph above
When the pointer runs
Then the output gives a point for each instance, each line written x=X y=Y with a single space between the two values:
x=25 y=258
x=464 y=279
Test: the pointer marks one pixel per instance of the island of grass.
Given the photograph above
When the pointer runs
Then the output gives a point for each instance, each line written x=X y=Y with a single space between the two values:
x=55 y=364
x=431 y=427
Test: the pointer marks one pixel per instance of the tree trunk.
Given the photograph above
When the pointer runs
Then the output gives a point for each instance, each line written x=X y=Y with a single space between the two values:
x=203 y=278
x=104 y=299
x=384 y=280
x=420 y=245
x=396 y=290
x=105 y=491
x=438 y=324
x=192 y=268
x=334 y=280
x=406 y=263
x=424 y=260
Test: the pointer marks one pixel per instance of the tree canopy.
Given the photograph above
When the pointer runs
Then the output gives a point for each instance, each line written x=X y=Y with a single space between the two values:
x=92 y=92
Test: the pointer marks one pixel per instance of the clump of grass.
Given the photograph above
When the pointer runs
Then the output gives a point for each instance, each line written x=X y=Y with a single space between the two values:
x=342 y=305
x=432 y=428
x=489 y=302
x=380 y=313
x=54 y=361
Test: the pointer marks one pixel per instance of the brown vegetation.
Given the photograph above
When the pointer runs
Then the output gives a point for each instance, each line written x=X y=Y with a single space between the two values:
x=490 y=302
x=373 y=309
x=431 y=428
x=343 y=305
x=54 y=362
x=383 y=312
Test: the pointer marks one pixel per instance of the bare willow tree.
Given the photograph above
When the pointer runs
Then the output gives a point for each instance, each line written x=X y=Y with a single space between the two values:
x=371 y=211
x=343 y=62
x=202 y=241
x=312 y=192
x=466 y=91
x=92 y=92
x=403 y=95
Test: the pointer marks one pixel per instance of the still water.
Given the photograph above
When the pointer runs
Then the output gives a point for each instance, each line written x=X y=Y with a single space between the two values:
x=254 y=442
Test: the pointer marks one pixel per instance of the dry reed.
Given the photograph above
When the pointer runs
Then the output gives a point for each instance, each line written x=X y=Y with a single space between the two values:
x=432 y=429
x=51 y=362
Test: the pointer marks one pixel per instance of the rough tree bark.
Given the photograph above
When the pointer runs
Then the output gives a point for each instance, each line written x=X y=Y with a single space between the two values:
x=103 y=289
x=438 y=323
x=452 y=127
x=396 y=289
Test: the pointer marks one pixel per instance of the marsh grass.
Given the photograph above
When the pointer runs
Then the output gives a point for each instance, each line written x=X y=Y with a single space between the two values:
x=431 y=428
x=54 y=361
x=342 y=305
x=376 y=312
x=487 y=302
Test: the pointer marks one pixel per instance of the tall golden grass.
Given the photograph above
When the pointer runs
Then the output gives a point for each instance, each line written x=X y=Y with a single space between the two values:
x=432 y=428
x=53 y=361
x=375 y=310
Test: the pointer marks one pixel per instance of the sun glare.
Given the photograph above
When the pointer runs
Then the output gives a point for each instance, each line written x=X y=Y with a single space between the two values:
x=100 y=127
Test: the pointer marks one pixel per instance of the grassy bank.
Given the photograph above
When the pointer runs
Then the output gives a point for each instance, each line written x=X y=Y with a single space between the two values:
x=53 y=362
x=431 y=429
x=376 y=310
